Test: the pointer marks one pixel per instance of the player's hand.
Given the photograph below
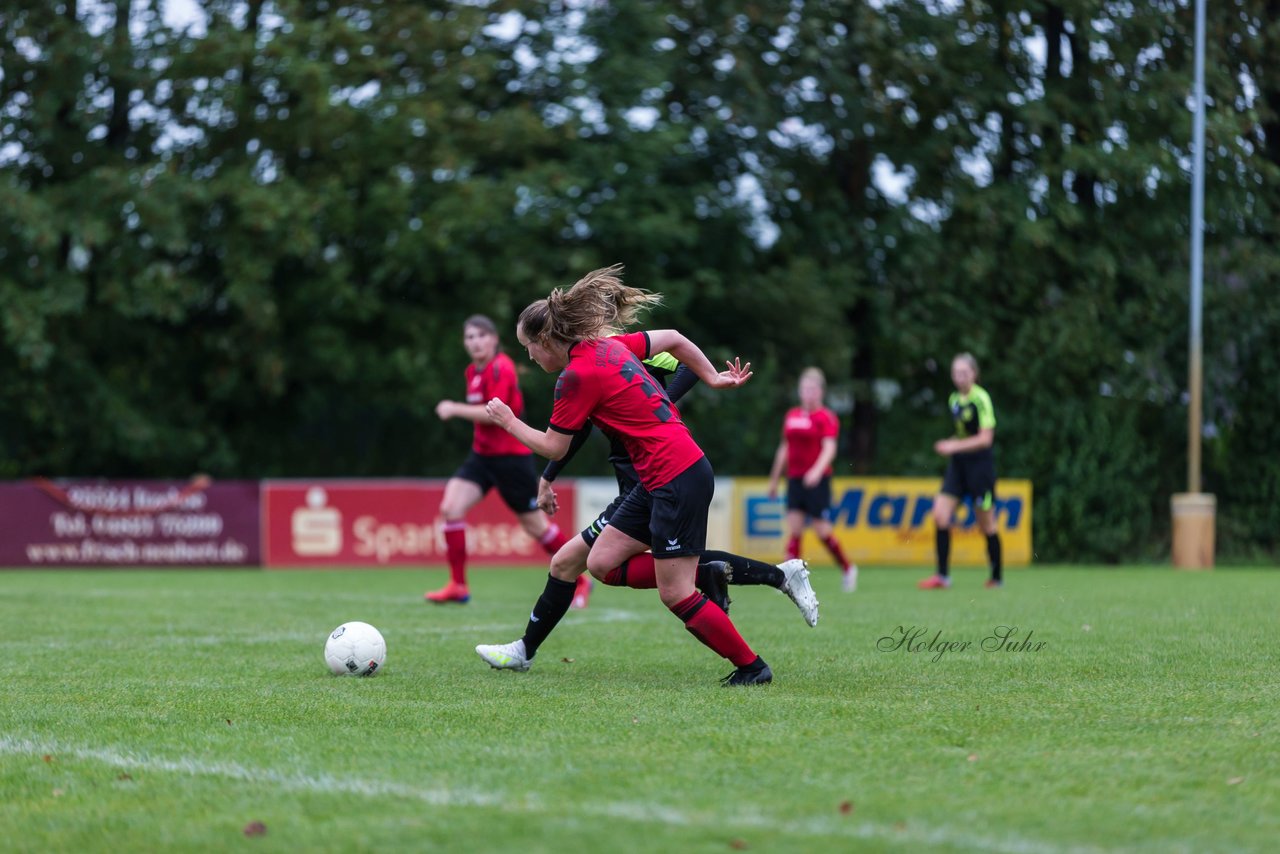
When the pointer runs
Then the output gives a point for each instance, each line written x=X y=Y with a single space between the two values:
x=499 y=413
x=737 y=374
x=444 y=410
x=773 y=491
x=811 y=478
x=547 y=501
x=944 y=447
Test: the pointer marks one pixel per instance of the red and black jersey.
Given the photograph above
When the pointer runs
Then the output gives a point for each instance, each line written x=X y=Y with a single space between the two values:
x=803 y=432
x=606 y=382
x=496 y=379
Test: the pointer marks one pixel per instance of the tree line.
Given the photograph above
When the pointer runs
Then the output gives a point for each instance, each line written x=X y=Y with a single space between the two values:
x=245 y=245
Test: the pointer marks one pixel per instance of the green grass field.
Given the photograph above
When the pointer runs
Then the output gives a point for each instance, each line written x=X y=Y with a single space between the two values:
x=170 y=710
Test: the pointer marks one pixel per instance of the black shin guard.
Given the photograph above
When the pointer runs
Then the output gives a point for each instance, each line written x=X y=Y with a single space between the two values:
x=547 y=611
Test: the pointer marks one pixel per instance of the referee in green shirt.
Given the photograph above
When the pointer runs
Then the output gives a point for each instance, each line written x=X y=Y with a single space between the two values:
x=971 y=470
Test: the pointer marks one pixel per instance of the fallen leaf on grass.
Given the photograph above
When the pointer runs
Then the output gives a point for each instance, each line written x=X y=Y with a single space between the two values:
x=1234 y=781
x=124 y=776
x=255 y=828
x=738 y=844
x=846 y=807
x=567 y=660
x=973 y=757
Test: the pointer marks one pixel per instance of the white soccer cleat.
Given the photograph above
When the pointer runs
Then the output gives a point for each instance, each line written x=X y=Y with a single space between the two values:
x=795 y=583
x=505 y=656
x=850 y=582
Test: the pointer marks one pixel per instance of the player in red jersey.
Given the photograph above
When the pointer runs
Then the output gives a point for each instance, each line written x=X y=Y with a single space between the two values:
x=496 y=459
x=716 y=571
x=602 y=379
x=806 y=451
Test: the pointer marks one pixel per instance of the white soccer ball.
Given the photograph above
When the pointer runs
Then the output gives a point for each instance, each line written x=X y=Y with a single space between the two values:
x=355 y=649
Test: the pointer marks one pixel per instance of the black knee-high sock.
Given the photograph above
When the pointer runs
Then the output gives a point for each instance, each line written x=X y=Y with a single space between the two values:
x=942 y=538
x=744 y=570
x=547 y=611
x=993 y=552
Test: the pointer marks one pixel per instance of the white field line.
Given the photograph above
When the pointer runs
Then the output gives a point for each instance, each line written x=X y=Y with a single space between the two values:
x=511 y=627
x=910 y=835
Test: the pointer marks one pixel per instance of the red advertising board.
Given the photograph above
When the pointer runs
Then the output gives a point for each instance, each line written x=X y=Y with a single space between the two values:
x=388 y=523
x=129 y=523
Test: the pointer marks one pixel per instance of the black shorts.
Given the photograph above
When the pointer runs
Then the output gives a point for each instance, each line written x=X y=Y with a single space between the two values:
x=814 y=501
x=672 y=519
x=972 y=477
x=512 y=474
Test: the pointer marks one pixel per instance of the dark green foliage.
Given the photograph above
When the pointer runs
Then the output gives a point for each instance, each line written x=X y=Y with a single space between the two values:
x=247 y=249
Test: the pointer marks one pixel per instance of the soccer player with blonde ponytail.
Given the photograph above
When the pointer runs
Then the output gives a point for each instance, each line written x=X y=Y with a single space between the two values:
x=577 y=333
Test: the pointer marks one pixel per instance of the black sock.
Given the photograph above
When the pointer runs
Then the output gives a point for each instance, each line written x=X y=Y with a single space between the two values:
x=943 y=539
x=993 y=552
x=547 y=611
x=744 y=570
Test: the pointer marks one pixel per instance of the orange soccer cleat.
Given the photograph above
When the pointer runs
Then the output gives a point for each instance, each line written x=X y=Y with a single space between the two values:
x=934 y=582
x=451 y=592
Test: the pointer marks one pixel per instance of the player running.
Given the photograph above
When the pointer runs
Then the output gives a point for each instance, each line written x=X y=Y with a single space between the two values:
x=715 y=571
x=496 y=459
x=807 y=449
x=602 y=379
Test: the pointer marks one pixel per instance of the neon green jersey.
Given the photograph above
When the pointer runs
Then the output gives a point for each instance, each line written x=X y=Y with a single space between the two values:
x=971 y=412
x=663 y=361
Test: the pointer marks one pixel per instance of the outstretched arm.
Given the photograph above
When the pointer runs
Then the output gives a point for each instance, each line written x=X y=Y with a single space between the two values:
x=473 y=412
x=689 y=354
x=552 y=444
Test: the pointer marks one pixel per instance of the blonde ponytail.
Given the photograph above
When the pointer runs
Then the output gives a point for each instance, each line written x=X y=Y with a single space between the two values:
x=597 y=306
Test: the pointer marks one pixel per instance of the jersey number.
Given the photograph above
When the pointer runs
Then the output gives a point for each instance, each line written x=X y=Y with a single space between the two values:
x=631 y=369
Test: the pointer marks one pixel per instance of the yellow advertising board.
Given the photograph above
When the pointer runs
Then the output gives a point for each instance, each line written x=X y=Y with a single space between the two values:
x=883 y=521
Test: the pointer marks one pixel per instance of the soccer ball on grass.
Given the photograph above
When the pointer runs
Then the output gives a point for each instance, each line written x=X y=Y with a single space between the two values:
x=355 y=649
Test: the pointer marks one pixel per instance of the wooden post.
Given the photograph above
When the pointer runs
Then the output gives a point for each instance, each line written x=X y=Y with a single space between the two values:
x=1193 y=525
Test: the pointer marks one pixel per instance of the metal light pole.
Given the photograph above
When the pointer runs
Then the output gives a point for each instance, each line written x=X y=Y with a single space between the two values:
x=1193 y=511
x=1197 y=264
